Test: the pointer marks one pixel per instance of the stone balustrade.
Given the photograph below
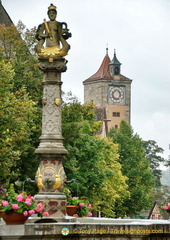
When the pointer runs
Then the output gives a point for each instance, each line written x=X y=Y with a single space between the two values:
x=88 y=229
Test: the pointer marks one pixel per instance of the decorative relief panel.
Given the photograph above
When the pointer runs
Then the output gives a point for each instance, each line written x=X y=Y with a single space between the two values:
x=50 y=176
x=51 y=112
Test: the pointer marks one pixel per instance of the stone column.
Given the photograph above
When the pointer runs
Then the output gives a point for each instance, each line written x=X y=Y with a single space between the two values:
x=50 y=176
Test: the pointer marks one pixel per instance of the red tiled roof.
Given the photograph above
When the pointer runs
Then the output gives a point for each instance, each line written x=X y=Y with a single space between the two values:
x=102 y=72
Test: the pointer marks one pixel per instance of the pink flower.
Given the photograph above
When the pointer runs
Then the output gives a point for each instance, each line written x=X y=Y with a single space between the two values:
x=75 y=215
x=81 y=204
x=74 y=197
x=69 y=192
x=5 y=203
x=25 y=213
x=169 y=205
x=28 y=201
x=89 y=206
x=39 y=207
x=46 y=214
x=90 y=214
x=15 y=206
x=31 y=212
x=20 y=197
x=165 y=207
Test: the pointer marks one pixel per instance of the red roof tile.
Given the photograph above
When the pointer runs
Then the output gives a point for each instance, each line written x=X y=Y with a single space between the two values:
x=103 y=71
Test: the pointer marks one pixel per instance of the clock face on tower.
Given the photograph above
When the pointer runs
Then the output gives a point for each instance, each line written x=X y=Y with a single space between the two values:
x=117 y=95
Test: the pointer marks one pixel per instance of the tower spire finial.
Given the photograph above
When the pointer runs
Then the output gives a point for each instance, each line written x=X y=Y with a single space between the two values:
x=107 y=49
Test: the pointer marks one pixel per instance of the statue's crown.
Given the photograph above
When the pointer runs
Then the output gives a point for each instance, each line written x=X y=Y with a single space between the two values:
x=52 y=7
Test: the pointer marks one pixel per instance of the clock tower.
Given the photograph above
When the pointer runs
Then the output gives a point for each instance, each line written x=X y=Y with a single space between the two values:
x=111 y=91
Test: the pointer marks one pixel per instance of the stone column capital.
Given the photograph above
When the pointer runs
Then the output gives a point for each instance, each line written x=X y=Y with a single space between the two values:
x=52 y=64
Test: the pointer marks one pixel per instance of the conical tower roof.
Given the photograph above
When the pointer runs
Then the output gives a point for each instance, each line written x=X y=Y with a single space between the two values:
x=103 y=71
x=4 y=17
x=115 y=61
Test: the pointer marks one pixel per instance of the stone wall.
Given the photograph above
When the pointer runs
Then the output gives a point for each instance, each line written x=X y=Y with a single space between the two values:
x=89 y=229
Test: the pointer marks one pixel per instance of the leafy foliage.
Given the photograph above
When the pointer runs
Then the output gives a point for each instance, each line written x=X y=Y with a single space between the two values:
x=93 y=161
x=17 y=47
x=152 y=151
x=21 y=97
x=17 y=114
x=137 y=169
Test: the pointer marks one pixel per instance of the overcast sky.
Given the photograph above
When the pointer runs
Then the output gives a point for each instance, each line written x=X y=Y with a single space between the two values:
x=139 y=30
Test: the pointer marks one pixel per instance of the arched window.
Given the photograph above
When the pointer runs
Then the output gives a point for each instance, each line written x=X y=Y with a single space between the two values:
x=116 y=71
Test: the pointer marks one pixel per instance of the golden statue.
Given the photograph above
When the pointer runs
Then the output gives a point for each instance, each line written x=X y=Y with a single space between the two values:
x=39 y=179
x=57 y=183
x=53 y=33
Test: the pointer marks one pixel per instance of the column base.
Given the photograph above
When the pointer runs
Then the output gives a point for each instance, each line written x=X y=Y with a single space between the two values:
x=55 y=203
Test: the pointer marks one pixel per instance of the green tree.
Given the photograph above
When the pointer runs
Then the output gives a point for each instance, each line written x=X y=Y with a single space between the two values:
x=152 y=151
x=75 y=118
x=93 y=161
x=17 y=47
x=137 y=169
x=17 y=124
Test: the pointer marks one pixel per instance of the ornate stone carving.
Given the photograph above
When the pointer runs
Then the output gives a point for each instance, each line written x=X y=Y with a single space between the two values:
x=51 y=119
x=60 y=66
x=50 y=176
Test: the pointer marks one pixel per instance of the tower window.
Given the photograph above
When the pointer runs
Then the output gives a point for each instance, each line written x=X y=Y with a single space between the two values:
x=116 y=126
x=116 y=114
x=117 y=71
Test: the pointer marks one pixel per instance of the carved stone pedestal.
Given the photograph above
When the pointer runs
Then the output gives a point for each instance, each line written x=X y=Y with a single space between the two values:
x=55 y=204
x=50 y=176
